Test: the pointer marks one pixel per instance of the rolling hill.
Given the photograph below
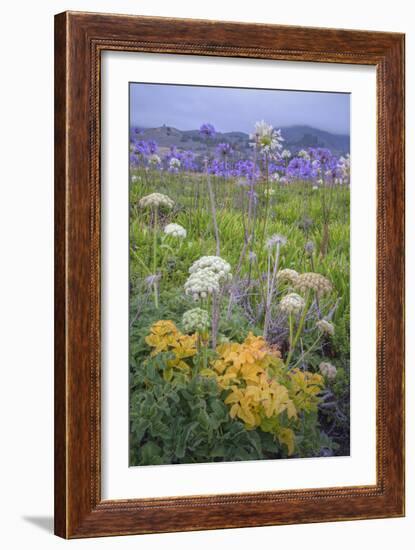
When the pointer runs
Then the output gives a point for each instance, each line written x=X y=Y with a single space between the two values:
x=296 y=138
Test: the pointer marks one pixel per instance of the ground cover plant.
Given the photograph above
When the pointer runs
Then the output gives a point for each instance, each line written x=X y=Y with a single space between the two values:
x=239 y=300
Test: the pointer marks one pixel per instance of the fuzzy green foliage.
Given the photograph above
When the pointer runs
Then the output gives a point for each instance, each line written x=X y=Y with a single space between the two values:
x=184 y=422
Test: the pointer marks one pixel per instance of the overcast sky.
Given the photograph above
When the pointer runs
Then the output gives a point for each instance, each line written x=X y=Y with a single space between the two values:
x=187 y=107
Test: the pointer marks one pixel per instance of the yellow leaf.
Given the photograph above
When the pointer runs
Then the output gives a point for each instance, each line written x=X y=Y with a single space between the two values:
x=291 y=410
x=246 y=415
x=209 y=373
x=234 y=410
x=286 y=437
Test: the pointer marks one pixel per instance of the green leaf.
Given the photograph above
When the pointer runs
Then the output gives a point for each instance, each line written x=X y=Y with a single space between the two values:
x=150 y=453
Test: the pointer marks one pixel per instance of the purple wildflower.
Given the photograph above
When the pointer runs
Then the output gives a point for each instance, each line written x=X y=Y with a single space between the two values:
x=207 y=130
x=224 y=150
x=152 y=147
x=300 y=168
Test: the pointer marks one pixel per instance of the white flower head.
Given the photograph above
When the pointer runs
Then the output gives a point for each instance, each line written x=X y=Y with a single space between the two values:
x=195 y=320
x=156 y=200
x=303 y=154
x=215 y=264
x=174 y=163
x=175 y=230
x=287 y=276
x=344 y=164
x=325 y=327
x=154 y=160
x=286 y=154
x=314 y=282
x=276 y=240
x=292 y=303
x=267 y=138
x=328 y=370
x=201 y=283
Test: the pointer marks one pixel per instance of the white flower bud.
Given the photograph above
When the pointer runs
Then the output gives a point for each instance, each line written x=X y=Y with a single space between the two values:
x=292 y=303
x=155 y=200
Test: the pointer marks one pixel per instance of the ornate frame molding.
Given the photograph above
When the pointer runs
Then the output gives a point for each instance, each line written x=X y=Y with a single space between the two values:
x=79 y=40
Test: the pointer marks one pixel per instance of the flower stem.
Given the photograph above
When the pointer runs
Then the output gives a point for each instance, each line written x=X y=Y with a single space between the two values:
x=215 y=318
x=155 y=287
x=267 y=192
x=299 y=330
x=213 y=210
x=271 y=286
x=291 y=330
x=310 y=349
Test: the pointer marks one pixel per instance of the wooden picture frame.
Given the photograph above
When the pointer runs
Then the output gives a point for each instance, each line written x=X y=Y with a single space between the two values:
x=79 y=40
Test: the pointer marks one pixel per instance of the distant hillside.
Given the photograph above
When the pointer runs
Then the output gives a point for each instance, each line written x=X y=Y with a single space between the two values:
x=306 y=136
x=296 y=138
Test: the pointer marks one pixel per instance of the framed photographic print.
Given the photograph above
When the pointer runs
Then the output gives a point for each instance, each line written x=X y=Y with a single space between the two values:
x=229 y=279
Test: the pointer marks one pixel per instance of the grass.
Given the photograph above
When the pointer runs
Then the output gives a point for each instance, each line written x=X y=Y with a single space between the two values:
x=288 y=207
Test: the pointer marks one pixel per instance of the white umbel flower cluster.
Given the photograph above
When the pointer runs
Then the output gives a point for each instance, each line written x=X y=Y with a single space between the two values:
x=328 y=370
x=216 y=264
x=175 y=230
x=325 y=327
x=287 y=276
x=156 y=200
x=292 y=303
x=313 y=281
x=195 y=320
x=154 y=160
x=174 y=163
x=201 y=283
x=206 y=275
x=286 y=154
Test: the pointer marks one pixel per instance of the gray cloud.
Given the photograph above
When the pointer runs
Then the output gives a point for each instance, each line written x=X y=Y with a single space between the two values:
x=187 y=107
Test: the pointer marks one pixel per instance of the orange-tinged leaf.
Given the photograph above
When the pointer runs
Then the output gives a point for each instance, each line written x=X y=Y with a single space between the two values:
x=286 y=437
x=234 y=410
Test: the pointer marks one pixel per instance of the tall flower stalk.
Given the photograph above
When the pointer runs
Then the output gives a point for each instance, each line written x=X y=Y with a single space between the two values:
x=207 y=132
x=267 y=141
x=274 y=244
x=213 y=210
x=248 y=222
x=155 y=229
x=154 y=202
x=298 y=304
x=207 y=277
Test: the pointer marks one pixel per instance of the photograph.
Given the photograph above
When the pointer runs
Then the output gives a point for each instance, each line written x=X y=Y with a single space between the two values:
x=239 y=274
